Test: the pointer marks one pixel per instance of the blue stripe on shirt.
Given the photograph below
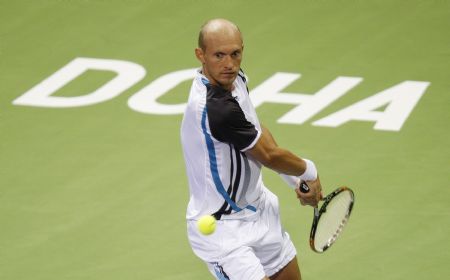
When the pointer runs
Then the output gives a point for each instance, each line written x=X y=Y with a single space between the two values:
x=213 y=166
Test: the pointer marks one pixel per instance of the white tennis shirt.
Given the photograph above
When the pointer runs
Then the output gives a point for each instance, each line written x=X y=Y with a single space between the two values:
x=217 y=128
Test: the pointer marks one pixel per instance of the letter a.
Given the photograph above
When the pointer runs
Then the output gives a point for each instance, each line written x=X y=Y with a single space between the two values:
x=400 y=100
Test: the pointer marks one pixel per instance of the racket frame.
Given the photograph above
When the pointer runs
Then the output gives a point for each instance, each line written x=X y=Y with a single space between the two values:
x=318 y=213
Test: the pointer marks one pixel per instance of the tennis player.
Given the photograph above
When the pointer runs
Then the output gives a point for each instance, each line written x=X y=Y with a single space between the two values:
x=224 y=148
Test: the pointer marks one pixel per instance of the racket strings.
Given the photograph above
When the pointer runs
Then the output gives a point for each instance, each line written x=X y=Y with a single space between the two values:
x=333 y=220
x=337 y=233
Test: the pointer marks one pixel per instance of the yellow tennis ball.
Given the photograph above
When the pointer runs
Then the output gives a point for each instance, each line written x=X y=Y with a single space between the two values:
x=206 y=224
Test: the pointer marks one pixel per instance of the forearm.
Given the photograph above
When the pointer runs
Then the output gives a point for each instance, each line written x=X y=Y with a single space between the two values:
x=283 y=161
x=268 y=153
x=291 y=167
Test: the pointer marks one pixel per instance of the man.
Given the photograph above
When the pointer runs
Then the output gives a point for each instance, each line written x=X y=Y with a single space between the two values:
x=225 y=148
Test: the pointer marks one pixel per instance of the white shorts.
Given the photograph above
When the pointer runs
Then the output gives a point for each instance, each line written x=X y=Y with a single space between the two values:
x=245 y=249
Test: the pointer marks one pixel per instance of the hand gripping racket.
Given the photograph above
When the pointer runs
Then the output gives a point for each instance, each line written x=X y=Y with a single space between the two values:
x=331 y=219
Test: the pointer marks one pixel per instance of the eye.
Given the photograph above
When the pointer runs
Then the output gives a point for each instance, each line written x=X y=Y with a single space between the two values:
x=219 y=55
x=236 y=54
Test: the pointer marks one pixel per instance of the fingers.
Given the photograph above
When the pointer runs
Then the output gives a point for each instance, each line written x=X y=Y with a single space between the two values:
x=314 y=195
x=309 y=198
x=300 y=197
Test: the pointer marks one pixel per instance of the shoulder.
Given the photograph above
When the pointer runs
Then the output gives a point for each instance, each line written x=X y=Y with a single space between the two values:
x=242 y=76
x=227 y=121
x=221 y=105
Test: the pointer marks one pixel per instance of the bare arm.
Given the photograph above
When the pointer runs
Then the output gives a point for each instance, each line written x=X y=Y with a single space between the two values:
x=269 y=154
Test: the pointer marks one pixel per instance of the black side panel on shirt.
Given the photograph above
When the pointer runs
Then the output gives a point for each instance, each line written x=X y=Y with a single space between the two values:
x=227 y=121
x=234 y=185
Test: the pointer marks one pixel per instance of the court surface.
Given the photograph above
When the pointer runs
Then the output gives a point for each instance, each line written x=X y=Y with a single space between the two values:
x=99 y=191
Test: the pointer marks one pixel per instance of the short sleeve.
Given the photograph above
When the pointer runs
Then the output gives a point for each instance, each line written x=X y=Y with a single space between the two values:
x=228 y=123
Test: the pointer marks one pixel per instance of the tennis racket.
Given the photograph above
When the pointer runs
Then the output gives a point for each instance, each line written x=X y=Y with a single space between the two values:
x=331 y=218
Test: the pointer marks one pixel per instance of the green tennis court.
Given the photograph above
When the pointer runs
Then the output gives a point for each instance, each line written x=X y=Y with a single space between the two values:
x=98 y=190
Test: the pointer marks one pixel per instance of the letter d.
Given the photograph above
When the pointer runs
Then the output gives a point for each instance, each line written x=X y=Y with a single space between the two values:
x=128 y=74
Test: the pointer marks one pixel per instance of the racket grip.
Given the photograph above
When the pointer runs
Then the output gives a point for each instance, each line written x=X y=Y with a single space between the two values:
x=304 y=187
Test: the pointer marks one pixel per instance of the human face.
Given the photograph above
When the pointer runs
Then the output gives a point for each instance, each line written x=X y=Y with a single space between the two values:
x=221 y=58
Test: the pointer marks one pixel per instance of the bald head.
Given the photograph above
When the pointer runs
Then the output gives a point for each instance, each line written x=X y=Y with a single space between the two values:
x=217 y=28
x=220 y=50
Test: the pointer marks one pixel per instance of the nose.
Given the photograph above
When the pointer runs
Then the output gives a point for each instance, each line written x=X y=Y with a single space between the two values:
x=228 y=63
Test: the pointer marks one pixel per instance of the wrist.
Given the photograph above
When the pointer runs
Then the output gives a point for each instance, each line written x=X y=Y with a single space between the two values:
x=310 y=173
x=291 y=181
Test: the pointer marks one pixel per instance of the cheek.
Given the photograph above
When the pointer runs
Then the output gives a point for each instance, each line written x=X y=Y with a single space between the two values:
x=213 y=67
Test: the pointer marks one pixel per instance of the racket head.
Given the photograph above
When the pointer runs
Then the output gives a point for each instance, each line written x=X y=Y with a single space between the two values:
x=331 y=218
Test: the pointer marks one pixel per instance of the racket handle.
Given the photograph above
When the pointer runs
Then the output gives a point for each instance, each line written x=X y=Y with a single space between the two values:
x=304 y=187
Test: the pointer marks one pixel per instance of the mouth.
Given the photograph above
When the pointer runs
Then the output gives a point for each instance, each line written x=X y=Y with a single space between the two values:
x=229 y=74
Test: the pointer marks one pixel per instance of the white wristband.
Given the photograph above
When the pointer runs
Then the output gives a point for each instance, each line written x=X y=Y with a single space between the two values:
x=310 y=173
x=292 y=181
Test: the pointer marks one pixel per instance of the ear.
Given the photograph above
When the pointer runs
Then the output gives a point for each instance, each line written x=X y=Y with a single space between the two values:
x=200 y=55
